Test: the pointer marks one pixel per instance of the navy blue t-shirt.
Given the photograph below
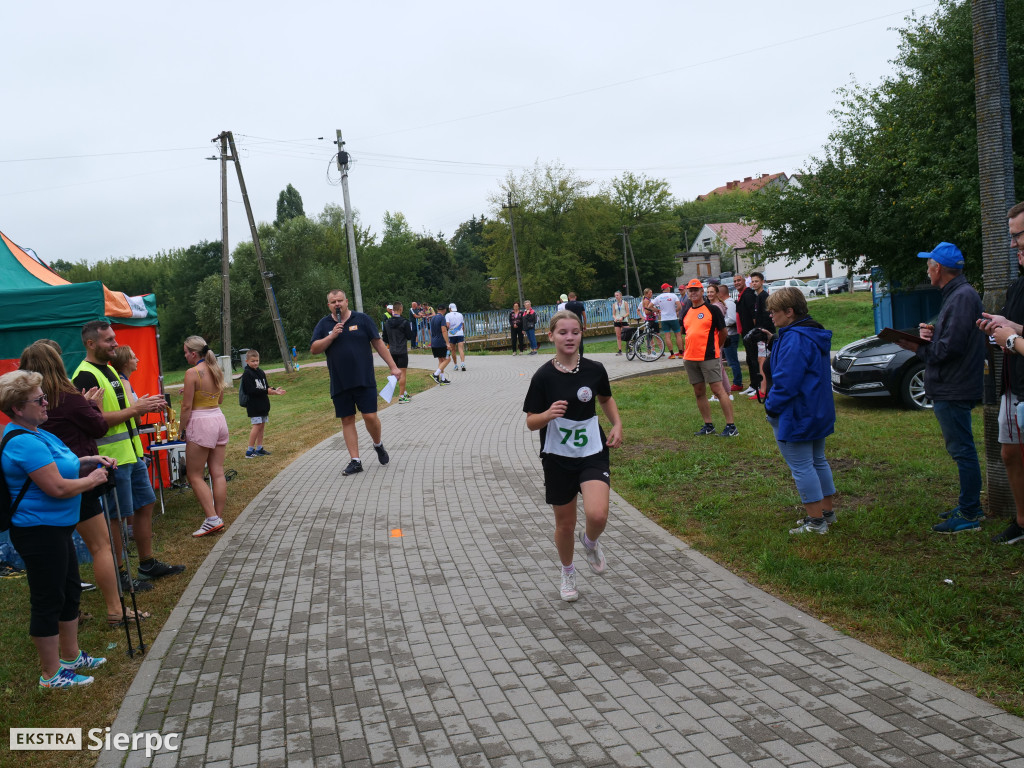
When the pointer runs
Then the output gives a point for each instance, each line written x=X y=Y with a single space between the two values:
x=436 y=335
x=350 y=356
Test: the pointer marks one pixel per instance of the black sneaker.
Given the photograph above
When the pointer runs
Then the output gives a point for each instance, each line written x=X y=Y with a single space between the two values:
x=382 y=455
x=707 y=429
x=135 y=586
x=262 y=452
x=730 y=431
x=1013 y=534
x=353 y=466
x=9 y=571
x=436 y=377
x=157 y=570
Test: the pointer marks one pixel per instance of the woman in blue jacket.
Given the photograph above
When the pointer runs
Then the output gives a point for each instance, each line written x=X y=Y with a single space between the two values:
x=799 y=404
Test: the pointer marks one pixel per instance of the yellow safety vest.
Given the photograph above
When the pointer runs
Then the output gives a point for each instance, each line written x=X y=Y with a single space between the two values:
x=119 y=443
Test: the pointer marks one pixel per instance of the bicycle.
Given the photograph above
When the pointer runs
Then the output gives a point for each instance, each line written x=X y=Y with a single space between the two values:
x=645 y=344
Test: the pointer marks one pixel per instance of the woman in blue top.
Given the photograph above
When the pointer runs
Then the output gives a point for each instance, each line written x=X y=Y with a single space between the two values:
x=42 y=524
x=799 y=403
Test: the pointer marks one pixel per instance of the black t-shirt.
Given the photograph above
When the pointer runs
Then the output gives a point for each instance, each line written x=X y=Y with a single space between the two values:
x=580 y=390
x=577 y=308
x=350 y=355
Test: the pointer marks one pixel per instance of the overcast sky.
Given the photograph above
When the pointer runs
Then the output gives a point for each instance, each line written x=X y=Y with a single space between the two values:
x=111 y=109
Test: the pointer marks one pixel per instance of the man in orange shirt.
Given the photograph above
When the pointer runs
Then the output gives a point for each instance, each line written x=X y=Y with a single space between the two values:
x=705 y=335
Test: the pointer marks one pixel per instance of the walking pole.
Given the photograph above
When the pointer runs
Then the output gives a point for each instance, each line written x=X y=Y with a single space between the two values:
x=120 y=591
x=128 y=571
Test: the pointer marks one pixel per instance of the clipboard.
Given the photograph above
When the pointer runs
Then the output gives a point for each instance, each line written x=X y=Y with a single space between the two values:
x=894 y=336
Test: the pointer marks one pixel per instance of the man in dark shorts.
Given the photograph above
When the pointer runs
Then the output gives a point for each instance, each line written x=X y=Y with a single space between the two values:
x=346 y=338
x=705 y=336
x=439 y=347
x=399 y=333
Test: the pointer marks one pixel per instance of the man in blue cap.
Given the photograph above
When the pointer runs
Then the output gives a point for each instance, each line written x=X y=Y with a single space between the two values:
x=954 y=362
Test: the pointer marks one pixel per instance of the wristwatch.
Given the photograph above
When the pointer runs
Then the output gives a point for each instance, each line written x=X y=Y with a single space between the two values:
x=1009 y=342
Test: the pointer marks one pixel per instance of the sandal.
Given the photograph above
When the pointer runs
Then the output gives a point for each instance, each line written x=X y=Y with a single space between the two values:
x=115 y=620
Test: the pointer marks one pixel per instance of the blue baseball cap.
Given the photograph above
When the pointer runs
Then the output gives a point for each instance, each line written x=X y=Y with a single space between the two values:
x=946 y=254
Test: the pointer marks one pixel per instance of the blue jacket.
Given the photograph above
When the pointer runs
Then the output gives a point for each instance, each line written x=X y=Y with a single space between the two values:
x=800 y=382
x=955 y=359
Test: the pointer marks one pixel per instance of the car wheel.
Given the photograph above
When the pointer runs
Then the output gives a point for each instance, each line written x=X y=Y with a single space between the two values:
x=912 y=389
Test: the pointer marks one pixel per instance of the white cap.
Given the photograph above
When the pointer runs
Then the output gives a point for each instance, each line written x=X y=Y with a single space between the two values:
x=391 y=306
x=452 y=308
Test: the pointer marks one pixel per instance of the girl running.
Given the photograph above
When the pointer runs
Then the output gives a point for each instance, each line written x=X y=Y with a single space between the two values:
x=561 y=403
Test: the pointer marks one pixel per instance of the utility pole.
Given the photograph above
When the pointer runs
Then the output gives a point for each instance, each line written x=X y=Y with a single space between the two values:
x=225 y=280
x=264 y=275
x=629 y=244
x=515 y=250
x=343 y=164
x=625 y=262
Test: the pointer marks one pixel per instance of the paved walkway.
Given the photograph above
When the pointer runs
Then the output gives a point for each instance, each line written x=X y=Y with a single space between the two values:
x=313 y=635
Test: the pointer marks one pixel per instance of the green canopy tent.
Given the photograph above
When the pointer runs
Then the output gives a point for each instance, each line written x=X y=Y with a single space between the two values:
x=37 y=303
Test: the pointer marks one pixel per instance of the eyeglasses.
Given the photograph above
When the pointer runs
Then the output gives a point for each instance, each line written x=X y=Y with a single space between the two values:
x=1016 y=236
x=37 y=400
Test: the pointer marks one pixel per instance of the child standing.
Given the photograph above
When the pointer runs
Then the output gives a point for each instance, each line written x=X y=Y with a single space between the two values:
x=255 y=393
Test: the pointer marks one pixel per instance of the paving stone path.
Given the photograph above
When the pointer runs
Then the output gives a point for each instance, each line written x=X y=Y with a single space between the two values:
x=316 y=635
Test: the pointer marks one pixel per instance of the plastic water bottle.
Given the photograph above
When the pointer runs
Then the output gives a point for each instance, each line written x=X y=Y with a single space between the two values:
x=762 y=350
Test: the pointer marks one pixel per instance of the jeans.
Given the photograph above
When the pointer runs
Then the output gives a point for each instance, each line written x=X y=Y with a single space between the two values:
x=955 y=421
x=531 y=334
x=732 y=357
x=808 y=465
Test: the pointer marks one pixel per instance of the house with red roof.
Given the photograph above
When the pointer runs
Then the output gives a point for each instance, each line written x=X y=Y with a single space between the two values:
x=749 y=184
x=740 y=239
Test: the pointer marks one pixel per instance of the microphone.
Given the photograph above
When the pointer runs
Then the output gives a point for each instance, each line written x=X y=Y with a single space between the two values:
x=337 y=315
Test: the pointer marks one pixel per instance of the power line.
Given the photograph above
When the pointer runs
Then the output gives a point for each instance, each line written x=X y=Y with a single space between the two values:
x=640 y=78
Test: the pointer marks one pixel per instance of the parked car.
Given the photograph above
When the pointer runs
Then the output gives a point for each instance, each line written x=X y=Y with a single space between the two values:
x=817 y=286
x=862 y=282
x=837 y=285
x=872 y=367
x=790 y=283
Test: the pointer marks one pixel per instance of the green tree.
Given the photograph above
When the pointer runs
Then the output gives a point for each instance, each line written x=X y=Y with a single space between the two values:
x=566 y=240
x=289 y=205
x=900 y=170
x=645 y=208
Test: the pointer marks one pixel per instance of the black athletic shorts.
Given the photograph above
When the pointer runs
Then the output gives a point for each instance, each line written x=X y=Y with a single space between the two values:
x=562 y=485
x=401 y=361
x=439 y=352
x=363 y=398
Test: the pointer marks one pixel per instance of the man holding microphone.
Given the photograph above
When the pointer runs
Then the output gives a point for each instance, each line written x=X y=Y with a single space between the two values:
x=346 y=338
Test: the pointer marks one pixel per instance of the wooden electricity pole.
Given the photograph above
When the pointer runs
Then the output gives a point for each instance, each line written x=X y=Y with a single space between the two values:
x=264 y=275
x=515 y=249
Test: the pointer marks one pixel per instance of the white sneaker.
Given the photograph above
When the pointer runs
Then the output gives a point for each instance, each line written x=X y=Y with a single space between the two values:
x=748 y=392
x=595 y=557
x=712 y=399
x=210 y=525
x=569 y=592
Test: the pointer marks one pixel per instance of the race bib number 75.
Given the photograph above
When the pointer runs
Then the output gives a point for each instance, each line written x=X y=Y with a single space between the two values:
x=575 y=439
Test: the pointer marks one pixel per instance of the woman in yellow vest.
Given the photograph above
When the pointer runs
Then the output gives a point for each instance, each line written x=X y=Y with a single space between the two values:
x=204 y=431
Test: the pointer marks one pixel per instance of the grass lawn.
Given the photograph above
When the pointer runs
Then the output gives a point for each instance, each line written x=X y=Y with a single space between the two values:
x=879 y=574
